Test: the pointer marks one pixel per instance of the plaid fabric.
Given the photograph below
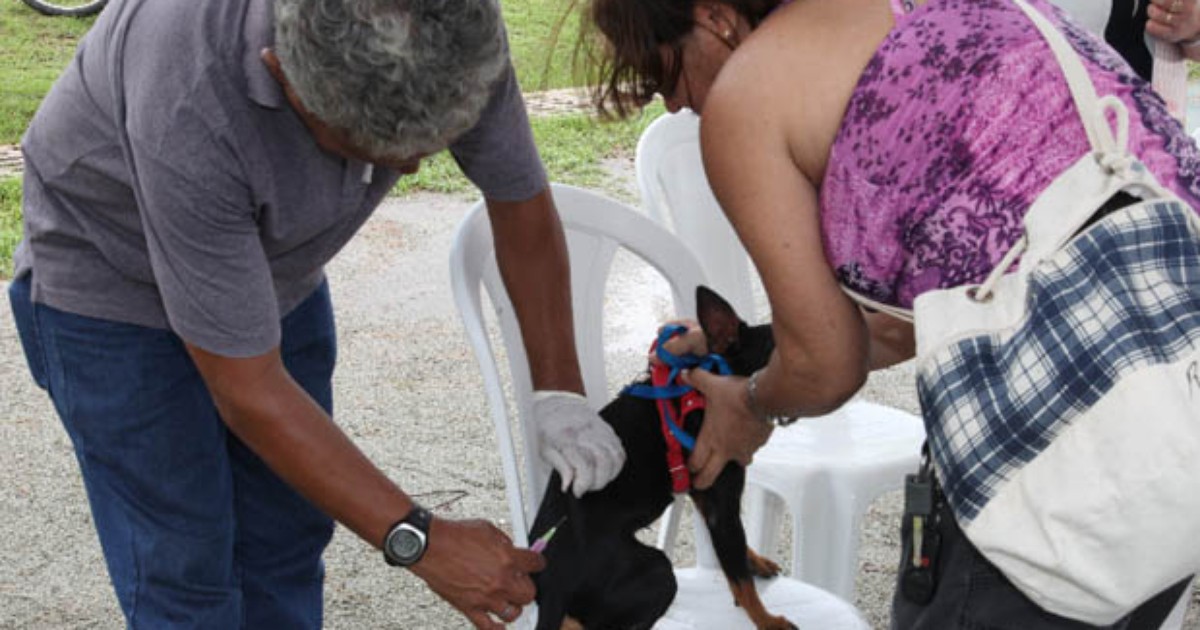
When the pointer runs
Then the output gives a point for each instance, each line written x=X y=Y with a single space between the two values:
x=1124 y=295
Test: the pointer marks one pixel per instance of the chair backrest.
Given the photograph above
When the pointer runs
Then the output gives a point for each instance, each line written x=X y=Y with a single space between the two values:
x=676 y=193
x=596 y=228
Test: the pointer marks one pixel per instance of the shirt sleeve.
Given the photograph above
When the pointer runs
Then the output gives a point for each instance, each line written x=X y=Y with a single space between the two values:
x=498 y=154
x=198 y=214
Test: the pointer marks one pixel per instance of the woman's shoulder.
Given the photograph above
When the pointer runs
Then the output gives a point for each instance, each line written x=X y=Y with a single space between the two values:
x=798 y=70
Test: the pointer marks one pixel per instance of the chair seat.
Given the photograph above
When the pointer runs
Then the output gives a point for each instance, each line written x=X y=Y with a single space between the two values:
x=705 y=602
x=861 y=438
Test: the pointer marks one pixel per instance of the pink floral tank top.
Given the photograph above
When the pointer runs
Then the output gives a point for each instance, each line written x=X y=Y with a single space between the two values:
x=959 y=121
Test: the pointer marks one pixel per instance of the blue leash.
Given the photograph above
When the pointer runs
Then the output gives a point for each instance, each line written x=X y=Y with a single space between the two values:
x=673 y=389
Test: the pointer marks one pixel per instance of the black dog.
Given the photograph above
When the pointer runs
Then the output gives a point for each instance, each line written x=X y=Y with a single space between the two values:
x=598 y=573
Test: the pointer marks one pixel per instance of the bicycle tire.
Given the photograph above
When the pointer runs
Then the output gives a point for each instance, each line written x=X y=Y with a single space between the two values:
x=76 y=9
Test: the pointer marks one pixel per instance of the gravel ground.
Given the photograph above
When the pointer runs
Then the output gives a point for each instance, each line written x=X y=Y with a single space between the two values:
x=407 y=392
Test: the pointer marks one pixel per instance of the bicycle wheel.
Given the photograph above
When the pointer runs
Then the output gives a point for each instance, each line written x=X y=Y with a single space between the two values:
x=66 y=7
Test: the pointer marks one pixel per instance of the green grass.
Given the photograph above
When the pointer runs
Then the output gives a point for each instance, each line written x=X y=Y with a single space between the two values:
x=572 y=147
x=541 y=35
x=33 y=51
x=10 y=222
x=35 y=48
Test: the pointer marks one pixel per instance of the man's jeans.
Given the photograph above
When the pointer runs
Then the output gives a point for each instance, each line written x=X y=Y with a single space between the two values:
x=196 y=531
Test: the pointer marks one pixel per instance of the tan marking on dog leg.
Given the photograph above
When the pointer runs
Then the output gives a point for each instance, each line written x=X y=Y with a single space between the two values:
x=761 y=566
x=746 y=596
x=571 y=623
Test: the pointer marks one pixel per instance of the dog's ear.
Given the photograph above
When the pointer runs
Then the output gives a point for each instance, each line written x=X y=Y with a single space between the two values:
x=718 y=320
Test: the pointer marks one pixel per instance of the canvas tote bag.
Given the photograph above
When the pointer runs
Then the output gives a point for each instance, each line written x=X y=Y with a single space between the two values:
x=1062 y=397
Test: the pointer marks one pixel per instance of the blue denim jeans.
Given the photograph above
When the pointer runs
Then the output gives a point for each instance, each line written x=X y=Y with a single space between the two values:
x=197 y=532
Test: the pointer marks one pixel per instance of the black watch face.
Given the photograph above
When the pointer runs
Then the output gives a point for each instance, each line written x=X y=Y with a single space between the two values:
x=406 y=545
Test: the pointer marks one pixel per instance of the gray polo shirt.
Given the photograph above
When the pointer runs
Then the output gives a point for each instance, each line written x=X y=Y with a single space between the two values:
x=169 y=184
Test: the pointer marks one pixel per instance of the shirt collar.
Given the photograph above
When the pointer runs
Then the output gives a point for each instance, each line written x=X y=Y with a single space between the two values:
x=258 y=32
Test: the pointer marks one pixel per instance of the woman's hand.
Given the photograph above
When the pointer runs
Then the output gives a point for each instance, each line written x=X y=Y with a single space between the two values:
x=692 y=341
x=731 y=431
x=475 y=567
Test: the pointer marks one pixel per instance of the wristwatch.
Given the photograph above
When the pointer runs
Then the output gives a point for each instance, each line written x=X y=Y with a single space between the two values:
x=407 y=540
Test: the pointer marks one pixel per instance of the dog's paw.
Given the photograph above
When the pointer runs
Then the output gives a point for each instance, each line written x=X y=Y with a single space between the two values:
x=762 y=566
x=778 y=623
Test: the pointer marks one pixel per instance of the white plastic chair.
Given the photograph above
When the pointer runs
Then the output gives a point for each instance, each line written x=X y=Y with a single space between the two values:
x=596 y=228
x=675 y=192
x=826 y=471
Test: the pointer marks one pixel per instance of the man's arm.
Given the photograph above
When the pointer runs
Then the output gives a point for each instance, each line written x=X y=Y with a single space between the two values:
x=531 y=251
x=470 y=564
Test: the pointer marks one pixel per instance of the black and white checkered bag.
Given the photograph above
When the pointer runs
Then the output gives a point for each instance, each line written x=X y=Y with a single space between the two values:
x=1062 y=400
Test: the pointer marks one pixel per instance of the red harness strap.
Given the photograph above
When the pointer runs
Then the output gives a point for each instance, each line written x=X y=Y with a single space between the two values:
x=681 y=480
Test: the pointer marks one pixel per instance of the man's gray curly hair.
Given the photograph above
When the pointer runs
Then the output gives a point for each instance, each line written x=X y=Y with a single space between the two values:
x=400 y=77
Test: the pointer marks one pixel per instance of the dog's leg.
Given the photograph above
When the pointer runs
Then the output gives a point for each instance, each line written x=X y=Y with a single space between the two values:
x=571 y=623
x=721 y=507
x=762 y=566
x=633 y=587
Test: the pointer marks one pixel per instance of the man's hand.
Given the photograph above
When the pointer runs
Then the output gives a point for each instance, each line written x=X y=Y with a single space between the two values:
x=475 y=567
x=731 y=431
x=581 y=446
x=1174 y=20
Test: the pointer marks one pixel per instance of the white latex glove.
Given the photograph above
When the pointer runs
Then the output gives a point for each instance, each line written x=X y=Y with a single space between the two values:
x=581 y=446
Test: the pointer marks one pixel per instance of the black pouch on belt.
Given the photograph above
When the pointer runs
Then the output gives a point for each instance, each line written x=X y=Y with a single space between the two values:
x=920 y=534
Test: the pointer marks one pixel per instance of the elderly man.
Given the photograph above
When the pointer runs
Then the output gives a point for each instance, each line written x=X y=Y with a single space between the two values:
x=187 y=178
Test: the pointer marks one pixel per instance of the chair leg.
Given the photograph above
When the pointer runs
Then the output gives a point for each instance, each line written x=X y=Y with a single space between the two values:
x=825 y=540
x=761 y=512
x=668 y=529
x=706 y=557
x=1174 y=621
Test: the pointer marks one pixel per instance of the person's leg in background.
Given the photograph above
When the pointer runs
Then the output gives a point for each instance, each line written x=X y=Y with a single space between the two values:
x=281 y=536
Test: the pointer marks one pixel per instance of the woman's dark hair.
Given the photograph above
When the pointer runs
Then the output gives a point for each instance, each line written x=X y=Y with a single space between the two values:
x=629 y=69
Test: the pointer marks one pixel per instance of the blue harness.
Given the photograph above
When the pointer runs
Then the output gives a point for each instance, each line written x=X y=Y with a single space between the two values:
x=672 y=389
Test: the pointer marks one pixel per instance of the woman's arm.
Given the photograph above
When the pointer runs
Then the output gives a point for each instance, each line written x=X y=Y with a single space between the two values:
x=821 y=354
x=892 y=340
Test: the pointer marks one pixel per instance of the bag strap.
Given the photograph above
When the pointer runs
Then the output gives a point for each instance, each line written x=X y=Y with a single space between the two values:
x=902 y=314
x=1117 y=166
x=1110 y=150
x=1092 y=109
